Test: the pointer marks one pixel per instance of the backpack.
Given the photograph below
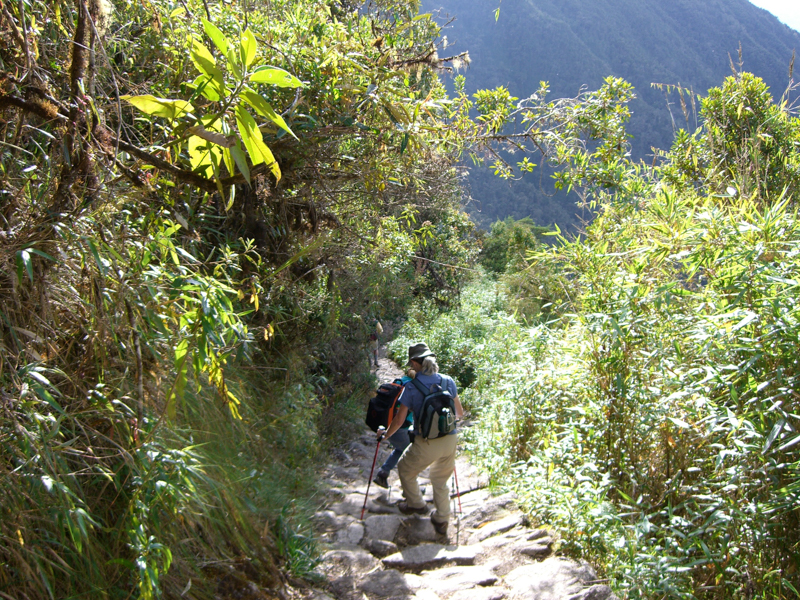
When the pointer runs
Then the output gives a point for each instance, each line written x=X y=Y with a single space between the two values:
x=384 y=406
x=438 y=414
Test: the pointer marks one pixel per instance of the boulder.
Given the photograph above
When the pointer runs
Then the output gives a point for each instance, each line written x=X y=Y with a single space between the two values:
x=479 y=593
x=490 y=510
x=595 y=592
x=491 y=528
x=351 y=535
x=417 y=530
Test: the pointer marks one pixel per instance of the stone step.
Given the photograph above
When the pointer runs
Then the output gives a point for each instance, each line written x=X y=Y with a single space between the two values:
x=449 y=580
x=431 y=556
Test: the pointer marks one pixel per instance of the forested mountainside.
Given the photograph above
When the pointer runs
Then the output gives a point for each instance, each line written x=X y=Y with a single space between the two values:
x=575 y=43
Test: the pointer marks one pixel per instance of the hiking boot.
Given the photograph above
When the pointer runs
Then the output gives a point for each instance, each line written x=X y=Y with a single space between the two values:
x=441 y=528
x=407 y=510
x=381 y=479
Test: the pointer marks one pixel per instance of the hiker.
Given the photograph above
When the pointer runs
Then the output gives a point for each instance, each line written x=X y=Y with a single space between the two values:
x=374 y=343
x=439 y=454
x=399 y=441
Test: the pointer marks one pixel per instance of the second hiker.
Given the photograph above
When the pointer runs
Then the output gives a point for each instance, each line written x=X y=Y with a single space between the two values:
x=428 y=450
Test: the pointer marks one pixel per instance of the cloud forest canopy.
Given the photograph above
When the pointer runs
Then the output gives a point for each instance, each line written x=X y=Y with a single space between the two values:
x=575 y=43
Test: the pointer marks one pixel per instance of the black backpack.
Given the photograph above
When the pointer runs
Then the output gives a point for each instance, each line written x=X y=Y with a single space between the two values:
x=384 y=406
x=438 y=414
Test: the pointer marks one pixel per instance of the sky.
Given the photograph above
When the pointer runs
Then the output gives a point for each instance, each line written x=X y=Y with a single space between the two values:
x=787 y=11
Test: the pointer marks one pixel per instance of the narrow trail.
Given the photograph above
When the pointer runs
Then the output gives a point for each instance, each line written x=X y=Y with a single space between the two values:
x=489 y=552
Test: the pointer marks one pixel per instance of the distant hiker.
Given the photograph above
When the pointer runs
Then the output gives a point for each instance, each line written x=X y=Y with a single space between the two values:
x=435 y=437
x=374 y=343
x=399 y=441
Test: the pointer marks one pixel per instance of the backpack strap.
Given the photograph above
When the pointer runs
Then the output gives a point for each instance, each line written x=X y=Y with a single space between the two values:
x=421 y=386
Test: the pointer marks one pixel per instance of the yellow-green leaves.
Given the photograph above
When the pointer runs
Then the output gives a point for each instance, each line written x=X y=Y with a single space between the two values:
x=216 y=36
x=203 y=154
x=248 y=48
x=160 y=107
x=254 y=141
x=205 y=63
x=263 y=108
x=275 y=76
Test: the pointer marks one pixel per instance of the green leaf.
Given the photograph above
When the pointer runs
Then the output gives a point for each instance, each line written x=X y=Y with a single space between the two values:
x=179 y=386
x=24 y=264
x=202 y=154
x=241 y=160
x=680 y=423
x=160 y=107
x=234 y=66
x=263 y=108
x=248 y=48
x=231 y=198
x=216 y=36
x=275 y=76
x=42 y=254
x=254 y=141
x=47 y=397
x=209 y=87
x=205 y=63
x=100 y=264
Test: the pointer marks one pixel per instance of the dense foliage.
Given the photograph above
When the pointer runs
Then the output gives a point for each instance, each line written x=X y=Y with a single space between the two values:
x=205 y=207
x=652 y=416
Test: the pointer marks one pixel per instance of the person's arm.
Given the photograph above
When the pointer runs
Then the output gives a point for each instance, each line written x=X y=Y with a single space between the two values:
x=459 y=408
x=451 y=386
x=398 y=421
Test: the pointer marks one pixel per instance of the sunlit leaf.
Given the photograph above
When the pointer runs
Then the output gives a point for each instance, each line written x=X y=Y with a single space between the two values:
x=216 y=36
x=263 y=108
x=254 y=141
x=248 y=47
x=160 y=107
x=275 y=76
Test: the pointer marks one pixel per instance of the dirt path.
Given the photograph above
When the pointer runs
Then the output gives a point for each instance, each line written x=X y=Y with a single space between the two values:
x=489 y=552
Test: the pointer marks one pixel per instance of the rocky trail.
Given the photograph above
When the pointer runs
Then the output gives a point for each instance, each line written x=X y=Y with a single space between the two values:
x=488 y=553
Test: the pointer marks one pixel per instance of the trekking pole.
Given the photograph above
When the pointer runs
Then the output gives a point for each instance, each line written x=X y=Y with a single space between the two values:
x=369 y=482
x=458 y=494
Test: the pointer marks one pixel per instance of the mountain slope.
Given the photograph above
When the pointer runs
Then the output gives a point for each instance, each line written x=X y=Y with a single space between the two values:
x=572 y=43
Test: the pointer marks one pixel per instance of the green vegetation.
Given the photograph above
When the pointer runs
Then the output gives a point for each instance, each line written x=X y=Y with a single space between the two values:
x=575 y=44
x=206 y=206
x=651 y=416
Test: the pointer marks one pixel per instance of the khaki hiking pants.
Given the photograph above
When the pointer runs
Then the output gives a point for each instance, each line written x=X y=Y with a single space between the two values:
x=440 y=455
